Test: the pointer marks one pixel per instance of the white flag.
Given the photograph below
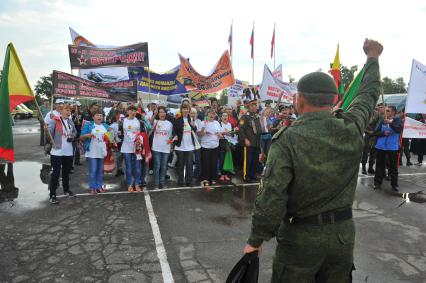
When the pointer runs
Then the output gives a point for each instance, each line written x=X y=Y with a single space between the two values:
x=414 y=129
x=272 y=88
x=278 y=72
x=416 y=98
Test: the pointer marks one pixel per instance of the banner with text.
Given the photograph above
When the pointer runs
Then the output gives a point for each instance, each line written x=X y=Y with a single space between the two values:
x=165 y=84
x=71 y=86
x=237 y=89
x=85 y=57
x=414 y=129
x=272 y=88
x=278 y=72
x=416 y=98
x=220 y=78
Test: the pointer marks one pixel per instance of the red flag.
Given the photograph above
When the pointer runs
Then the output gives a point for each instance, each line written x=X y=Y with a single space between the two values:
x=273 y=44
x=252 y=43
x=230 y=41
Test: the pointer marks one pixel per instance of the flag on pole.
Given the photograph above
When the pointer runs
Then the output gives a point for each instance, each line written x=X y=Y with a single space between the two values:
x=14 y=90
x=252 y=43
x=273 y=44
x=335 y=68
x=79 y=40
x=230 y=41
x=352 y=90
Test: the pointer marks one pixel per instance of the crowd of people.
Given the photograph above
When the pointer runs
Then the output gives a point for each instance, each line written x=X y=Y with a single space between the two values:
x=384 y=146
x=205 y=145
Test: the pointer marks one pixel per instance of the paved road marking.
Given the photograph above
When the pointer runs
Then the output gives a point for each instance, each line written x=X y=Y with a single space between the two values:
x=161 y=251
x=361 y=176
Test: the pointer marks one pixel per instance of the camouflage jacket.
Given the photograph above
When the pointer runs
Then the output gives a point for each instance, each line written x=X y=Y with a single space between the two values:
x=313 y=165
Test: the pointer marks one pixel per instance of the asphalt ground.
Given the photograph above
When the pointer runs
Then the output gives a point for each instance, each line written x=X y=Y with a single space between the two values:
x=180 y=234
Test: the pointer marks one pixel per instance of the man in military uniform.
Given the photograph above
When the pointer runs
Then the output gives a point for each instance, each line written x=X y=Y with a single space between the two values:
x=249 y=134
x=369 y=154
x=306 y=196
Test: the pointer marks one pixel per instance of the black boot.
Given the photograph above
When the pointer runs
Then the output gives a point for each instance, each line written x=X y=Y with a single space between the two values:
x=409 y=163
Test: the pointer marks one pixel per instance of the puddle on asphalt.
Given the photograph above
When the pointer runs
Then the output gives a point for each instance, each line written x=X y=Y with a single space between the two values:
x=32 y=193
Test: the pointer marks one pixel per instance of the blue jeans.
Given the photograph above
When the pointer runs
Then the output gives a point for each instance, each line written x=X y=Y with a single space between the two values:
x=160 y=167
x=96 y=173
x=133 y=169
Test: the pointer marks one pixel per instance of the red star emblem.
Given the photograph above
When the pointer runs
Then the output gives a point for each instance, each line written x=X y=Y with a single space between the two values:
x=82 y=60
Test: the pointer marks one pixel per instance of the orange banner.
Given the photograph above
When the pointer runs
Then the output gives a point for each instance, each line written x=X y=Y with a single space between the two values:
x=221 y=77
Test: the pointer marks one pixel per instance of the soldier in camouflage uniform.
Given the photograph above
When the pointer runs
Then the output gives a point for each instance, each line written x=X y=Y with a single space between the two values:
x=369 y=154
x=306 y=196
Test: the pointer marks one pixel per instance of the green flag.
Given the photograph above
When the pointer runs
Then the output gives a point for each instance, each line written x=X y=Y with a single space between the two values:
x=352 y=90
x=6 y=138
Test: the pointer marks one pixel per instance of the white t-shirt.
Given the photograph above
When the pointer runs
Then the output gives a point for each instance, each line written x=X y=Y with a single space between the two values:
x=66 y=147
x=228 y=128
x=210 y=139
x=130 y=130
x=162 y=133
x=97 y=143
x=199 y=125
x=186 y=144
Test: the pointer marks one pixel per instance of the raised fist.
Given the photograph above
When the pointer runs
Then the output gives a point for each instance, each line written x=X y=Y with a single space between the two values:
x=372 y=48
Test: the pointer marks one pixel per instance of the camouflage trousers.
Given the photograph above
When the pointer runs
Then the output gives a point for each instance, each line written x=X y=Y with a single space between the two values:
x=314 y=253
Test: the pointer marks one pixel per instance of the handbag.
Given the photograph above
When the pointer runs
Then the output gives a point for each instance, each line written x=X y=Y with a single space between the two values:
x=197 y=144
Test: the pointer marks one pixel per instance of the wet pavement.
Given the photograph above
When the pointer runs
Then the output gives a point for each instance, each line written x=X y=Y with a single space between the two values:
x=194 y=233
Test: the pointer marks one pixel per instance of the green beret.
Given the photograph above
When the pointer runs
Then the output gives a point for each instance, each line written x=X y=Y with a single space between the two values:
x=317 y=82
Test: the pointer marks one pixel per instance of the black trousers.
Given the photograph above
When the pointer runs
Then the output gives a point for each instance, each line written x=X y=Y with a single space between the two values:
x=405 y=148
x=369 y=153
x=251 y=162
x=209 y=159
x=185 y=161
x=392 y=158
x=58 y=163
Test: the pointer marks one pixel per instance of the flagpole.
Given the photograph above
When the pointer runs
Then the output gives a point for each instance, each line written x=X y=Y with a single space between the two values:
x=252 y=74
x=232 y=39
x=149 y=84
x=274 y=46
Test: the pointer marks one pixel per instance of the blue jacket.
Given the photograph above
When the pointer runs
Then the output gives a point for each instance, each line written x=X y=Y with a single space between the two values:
x=390 y=142
x=87 y=129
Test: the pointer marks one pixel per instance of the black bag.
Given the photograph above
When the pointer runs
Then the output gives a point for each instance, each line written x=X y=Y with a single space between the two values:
x=224 y=145
x=246 y=270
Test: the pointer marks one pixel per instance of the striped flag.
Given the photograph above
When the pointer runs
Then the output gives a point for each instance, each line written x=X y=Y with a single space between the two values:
x=252 y=43
x=335 y=68
x=230 y=41
x=14 y=90
x=273 y=44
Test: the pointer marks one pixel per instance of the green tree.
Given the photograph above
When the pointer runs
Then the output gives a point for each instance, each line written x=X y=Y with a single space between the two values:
x=347 y=75
x=1 y=74
x=43 y=87
x=391 y=86
x=223 y=100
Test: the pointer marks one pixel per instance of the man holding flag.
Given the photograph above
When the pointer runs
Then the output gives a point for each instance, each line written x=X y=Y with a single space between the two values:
x=305 y=199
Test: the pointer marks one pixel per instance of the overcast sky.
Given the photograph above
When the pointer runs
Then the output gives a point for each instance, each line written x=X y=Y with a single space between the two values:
x=307 y=32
